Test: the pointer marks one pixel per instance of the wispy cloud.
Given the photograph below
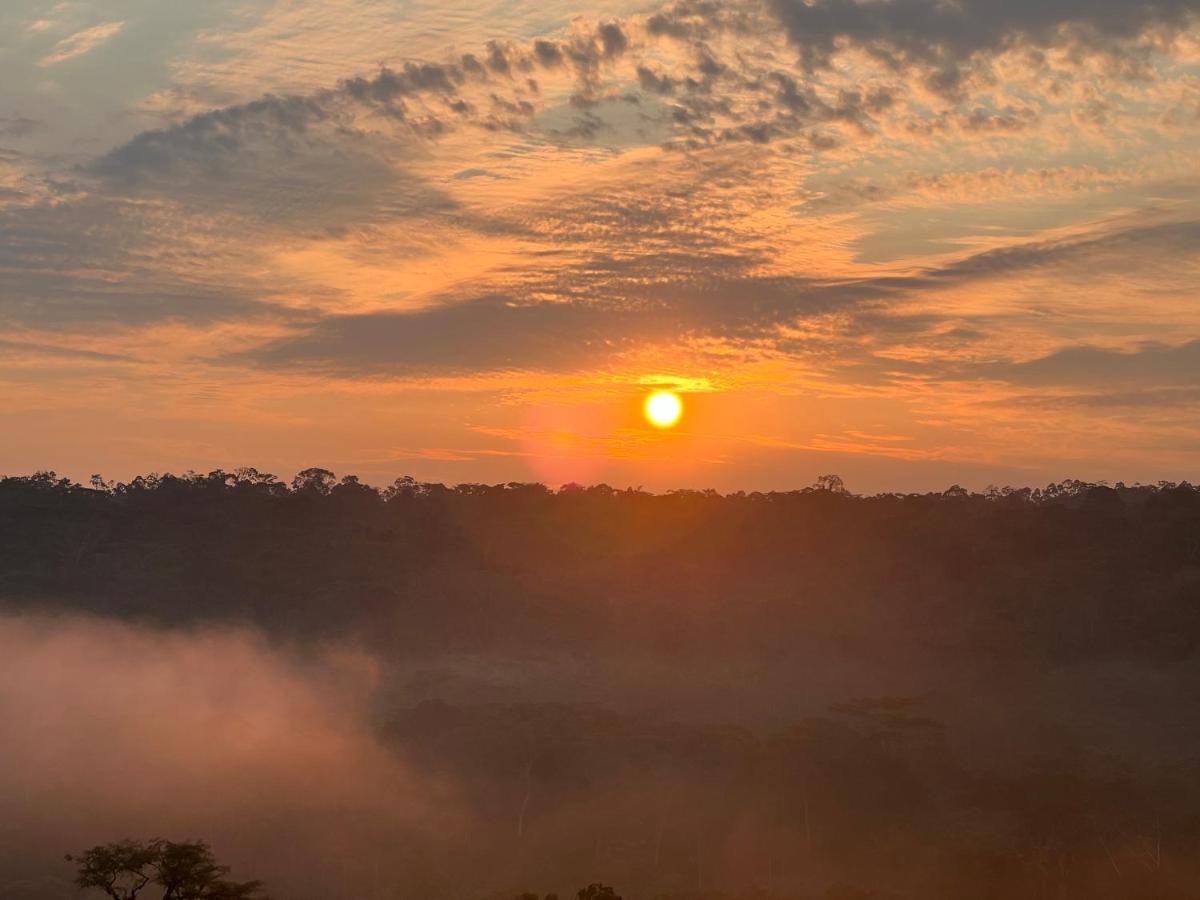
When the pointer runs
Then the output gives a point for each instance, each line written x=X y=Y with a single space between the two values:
x=82 y=42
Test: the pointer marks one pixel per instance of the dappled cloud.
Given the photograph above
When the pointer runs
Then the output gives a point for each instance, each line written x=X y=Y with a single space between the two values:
x=897 y=204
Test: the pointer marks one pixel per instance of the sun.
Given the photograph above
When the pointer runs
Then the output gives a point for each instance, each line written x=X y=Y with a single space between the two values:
x=663 y=409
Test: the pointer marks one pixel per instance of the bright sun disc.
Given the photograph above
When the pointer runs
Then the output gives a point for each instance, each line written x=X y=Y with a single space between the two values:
x=663 y=409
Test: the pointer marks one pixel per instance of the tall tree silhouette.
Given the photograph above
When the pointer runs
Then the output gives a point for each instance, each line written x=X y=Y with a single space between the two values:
x=184 y=870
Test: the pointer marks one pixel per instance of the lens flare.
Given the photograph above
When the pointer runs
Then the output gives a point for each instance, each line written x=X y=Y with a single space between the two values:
x=663 y=409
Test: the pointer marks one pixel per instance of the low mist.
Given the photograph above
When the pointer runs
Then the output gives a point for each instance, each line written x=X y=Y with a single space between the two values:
x=472 y=693
x=113 y=730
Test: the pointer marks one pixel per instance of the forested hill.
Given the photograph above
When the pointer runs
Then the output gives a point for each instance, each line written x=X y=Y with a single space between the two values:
x=688 y=695
x=1073 y=570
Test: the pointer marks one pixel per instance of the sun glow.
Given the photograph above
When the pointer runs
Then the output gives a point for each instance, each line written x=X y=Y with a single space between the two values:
x=663 y=409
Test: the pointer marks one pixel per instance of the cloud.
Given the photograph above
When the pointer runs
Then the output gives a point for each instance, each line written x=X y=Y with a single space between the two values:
x=35 y=349
x=1113 y=247
x=946 y=35
x=82 y=42
x=484 y=334
x=953 y=61
x=212 y=140
x=449 y=95
x=979 y=186
x=608 y=304
x=1150 y=363
x=704 y=94
x=280 y=161
x=695 y=182
x=18 y=126
x=101 y=262
x=1176 y=401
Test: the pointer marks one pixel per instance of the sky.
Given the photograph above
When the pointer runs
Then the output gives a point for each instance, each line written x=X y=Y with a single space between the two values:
x=910 y=242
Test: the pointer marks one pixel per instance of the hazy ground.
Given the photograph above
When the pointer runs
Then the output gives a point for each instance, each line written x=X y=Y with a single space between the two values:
x=276 y=755
x=469 y=695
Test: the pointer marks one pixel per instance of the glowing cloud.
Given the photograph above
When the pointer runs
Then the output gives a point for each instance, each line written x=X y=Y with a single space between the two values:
x=82 y=42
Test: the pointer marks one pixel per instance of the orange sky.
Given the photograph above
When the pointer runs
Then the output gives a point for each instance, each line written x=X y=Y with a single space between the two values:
x=911 y=242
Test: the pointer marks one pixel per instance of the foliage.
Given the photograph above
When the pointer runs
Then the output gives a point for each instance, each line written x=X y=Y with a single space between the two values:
x=184 y=870
x=1069 y=571
x=597 y=892
x=1074 y=587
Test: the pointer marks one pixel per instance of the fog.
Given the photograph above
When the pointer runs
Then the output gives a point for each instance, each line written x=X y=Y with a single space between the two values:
x=329 y=772
x=112 y=730
x=467 y=694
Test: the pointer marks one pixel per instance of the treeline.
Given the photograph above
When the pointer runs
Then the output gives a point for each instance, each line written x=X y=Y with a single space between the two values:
x=1063 y=572
x=323 y=482
x=579 y=666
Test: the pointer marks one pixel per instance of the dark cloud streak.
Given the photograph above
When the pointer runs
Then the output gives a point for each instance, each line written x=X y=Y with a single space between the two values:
x=667 y=297
x=946 y=35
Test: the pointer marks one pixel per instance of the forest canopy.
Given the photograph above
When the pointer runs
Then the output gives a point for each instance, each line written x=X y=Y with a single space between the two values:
x=805 y=694
x=1068 y=570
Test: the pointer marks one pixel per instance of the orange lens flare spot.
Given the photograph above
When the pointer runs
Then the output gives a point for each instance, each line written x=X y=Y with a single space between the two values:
x=663 y=409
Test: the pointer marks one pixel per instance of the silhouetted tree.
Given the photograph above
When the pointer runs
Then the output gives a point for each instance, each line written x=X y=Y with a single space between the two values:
x=121 y=869
x=184 y=870
x=597 y=892
x=314 y=481
x=831 y=483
